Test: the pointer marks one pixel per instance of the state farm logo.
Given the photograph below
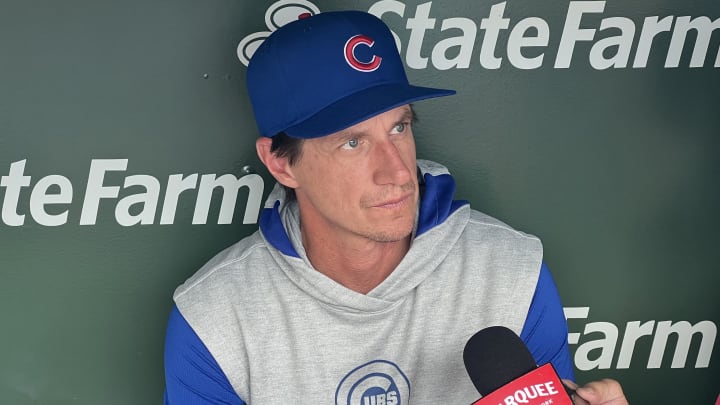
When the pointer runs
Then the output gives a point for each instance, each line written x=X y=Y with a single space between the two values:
x=492 y=40
x=278 y=14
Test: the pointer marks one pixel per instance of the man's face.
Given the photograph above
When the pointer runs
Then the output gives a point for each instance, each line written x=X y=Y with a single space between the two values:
x=360 y=183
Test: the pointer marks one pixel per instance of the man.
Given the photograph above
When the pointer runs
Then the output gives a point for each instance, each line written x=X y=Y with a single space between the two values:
x=365 y=279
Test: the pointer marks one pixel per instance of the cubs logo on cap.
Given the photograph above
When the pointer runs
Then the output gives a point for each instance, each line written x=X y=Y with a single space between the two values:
x=327 y=72
x=353 y=61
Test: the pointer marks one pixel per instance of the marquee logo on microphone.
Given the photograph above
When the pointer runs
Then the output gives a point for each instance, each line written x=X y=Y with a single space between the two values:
x=541 y=386
x=378 y=382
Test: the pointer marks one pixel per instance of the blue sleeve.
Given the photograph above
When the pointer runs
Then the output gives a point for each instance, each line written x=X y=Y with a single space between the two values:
x=192 y=376
x=545 y=331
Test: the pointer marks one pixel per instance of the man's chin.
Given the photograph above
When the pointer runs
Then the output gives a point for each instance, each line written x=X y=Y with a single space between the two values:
x=394 y=235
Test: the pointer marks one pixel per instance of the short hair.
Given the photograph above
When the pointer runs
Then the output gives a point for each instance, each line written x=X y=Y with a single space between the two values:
x=286 y=146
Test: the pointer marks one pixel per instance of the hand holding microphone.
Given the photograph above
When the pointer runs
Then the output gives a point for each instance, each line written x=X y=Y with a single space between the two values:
x=504 y=372
x=605 y=392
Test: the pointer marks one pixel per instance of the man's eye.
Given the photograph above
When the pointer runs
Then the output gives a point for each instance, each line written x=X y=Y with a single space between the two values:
x=400 y=128
x=351 y=144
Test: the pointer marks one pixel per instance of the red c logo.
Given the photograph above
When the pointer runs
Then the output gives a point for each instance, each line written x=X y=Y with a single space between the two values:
x=353 y=61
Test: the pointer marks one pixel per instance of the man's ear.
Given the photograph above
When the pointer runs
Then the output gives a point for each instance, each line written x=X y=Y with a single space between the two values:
x=279 y=167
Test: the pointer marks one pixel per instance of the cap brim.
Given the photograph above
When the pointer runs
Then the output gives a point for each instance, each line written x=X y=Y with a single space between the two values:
x=360 y=106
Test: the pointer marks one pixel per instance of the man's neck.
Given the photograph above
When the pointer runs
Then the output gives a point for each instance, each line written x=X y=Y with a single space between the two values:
x=358 y=264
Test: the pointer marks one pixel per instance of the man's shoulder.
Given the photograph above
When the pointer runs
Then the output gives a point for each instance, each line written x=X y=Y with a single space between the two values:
x=485 y=224
x=230 y=265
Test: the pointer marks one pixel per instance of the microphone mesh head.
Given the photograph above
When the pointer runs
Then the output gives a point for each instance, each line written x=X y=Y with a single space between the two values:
x=495 y=356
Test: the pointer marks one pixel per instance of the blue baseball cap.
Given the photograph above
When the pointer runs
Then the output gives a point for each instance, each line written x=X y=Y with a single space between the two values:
x=324 y=73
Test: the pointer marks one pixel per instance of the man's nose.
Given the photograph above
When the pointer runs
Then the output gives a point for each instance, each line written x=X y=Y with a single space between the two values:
x=390 y=168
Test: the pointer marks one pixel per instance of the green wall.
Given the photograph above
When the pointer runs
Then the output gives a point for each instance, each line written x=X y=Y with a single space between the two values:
x=615 y=168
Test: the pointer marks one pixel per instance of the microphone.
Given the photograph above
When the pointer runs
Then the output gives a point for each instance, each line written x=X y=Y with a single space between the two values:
x=504 y=372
